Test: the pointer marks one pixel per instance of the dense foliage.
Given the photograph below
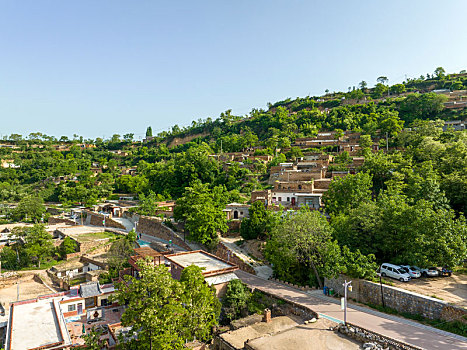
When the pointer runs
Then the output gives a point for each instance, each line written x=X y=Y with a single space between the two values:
x=164 y=312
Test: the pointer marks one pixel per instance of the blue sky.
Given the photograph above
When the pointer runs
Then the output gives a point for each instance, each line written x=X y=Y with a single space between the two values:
x=96 y=68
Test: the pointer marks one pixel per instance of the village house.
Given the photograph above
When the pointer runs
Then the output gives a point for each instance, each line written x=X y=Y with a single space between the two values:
x=217 y=272
x=59 y=320
x=9 y=163
x=147 y=253
x=237 y=211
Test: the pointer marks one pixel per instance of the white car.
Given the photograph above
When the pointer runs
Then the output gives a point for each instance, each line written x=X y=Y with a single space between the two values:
x=394 y=271
x=430 y=272
x=413 y=271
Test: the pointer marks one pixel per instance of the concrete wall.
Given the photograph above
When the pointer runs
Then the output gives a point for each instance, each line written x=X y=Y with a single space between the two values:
x=398 y=299
x=153 y=226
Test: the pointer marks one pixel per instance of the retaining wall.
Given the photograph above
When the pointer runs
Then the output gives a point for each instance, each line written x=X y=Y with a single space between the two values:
x=54 y=220
x=399 y=299
x=153 y=226
x=363 y=335
x=97 y=219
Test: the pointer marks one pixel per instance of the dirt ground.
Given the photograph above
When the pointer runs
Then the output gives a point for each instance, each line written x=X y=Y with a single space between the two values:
x=451 y=289
x=28 y=288
x=312 y=336
x=254 y=247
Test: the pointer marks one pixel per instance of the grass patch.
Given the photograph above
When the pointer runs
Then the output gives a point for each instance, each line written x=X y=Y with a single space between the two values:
x=456 y=327
x=44 y=266
x=77 y=280
x=93 y=236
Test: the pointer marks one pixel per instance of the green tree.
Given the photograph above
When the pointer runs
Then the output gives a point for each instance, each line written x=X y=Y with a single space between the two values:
x=118 y=255
x=92 y=340
x=259 y=223
x=379 y=90
x=201 y=210
x=149 y=132
x=398 y=89
x=304 y=238
x=363 y=85
x=421 y=106
x=155 y=310
x=31 y=208
x=384 y=227
x=201 y=304
x=236 y=299
x=365 y=142
x=440 y=72
x=348 y=192
x=68 y=246
x=38 y=243
x=382 y=80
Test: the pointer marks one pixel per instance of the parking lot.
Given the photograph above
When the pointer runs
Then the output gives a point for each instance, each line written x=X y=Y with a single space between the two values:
x=451 y=289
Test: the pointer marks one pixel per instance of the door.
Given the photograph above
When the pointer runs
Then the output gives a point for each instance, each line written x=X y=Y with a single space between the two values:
x=293 y=201
x=80 y=309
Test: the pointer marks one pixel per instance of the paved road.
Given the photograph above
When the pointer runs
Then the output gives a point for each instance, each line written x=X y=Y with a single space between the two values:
x=391 y=326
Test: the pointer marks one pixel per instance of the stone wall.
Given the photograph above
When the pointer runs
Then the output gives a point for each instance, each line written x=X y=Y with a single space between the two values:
x=54 y=220
x=291 y=308
x=97 y=219
x=399 y=299
x=227 y=254
x=153 y=226
x=380 y=341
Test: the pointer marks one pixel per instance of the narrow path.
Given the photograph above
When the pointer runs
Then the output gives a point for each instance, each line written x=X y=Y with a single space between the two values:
x=125 y=222
x=395 y=327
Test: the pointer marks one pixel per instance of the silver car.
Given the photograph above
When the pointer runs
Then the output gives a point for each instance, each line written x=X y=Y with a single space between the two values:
x=413 y=271
x=430 y=272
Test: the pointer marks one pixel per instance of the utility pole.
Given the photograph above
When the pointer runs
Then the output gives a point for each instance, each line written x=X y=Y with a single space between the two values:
x=347 y=286
x=382 y=294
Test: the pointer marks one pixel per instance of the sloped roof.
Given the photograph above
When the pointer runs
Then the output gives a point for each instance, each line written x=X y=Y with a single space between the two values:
x=91 y=289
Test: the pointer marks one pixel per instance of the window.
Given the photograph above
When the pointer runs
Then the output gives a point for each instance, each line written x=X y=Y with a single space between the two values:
x=288 y=199
x=280 y=199
x=71 y=307
x=105 y=302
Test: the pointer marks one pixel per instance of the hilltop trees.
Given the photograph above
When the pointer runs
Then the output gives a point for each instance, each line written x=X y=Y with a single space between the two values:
x=149 y=132
x=421 y=106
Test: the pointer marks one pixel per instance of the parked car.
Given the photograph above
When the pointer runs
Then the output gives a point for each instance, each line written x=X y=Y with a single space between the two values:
x=430 y=272
x=445 y=271
x=394 y=271
x=413 y=271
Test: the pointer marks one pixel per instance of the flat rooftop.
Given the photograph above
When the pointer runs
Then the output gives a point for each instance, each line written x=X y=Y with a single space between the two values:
x=199 y=258
x=305 y=337
x=237 y=338
x=37 y=323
